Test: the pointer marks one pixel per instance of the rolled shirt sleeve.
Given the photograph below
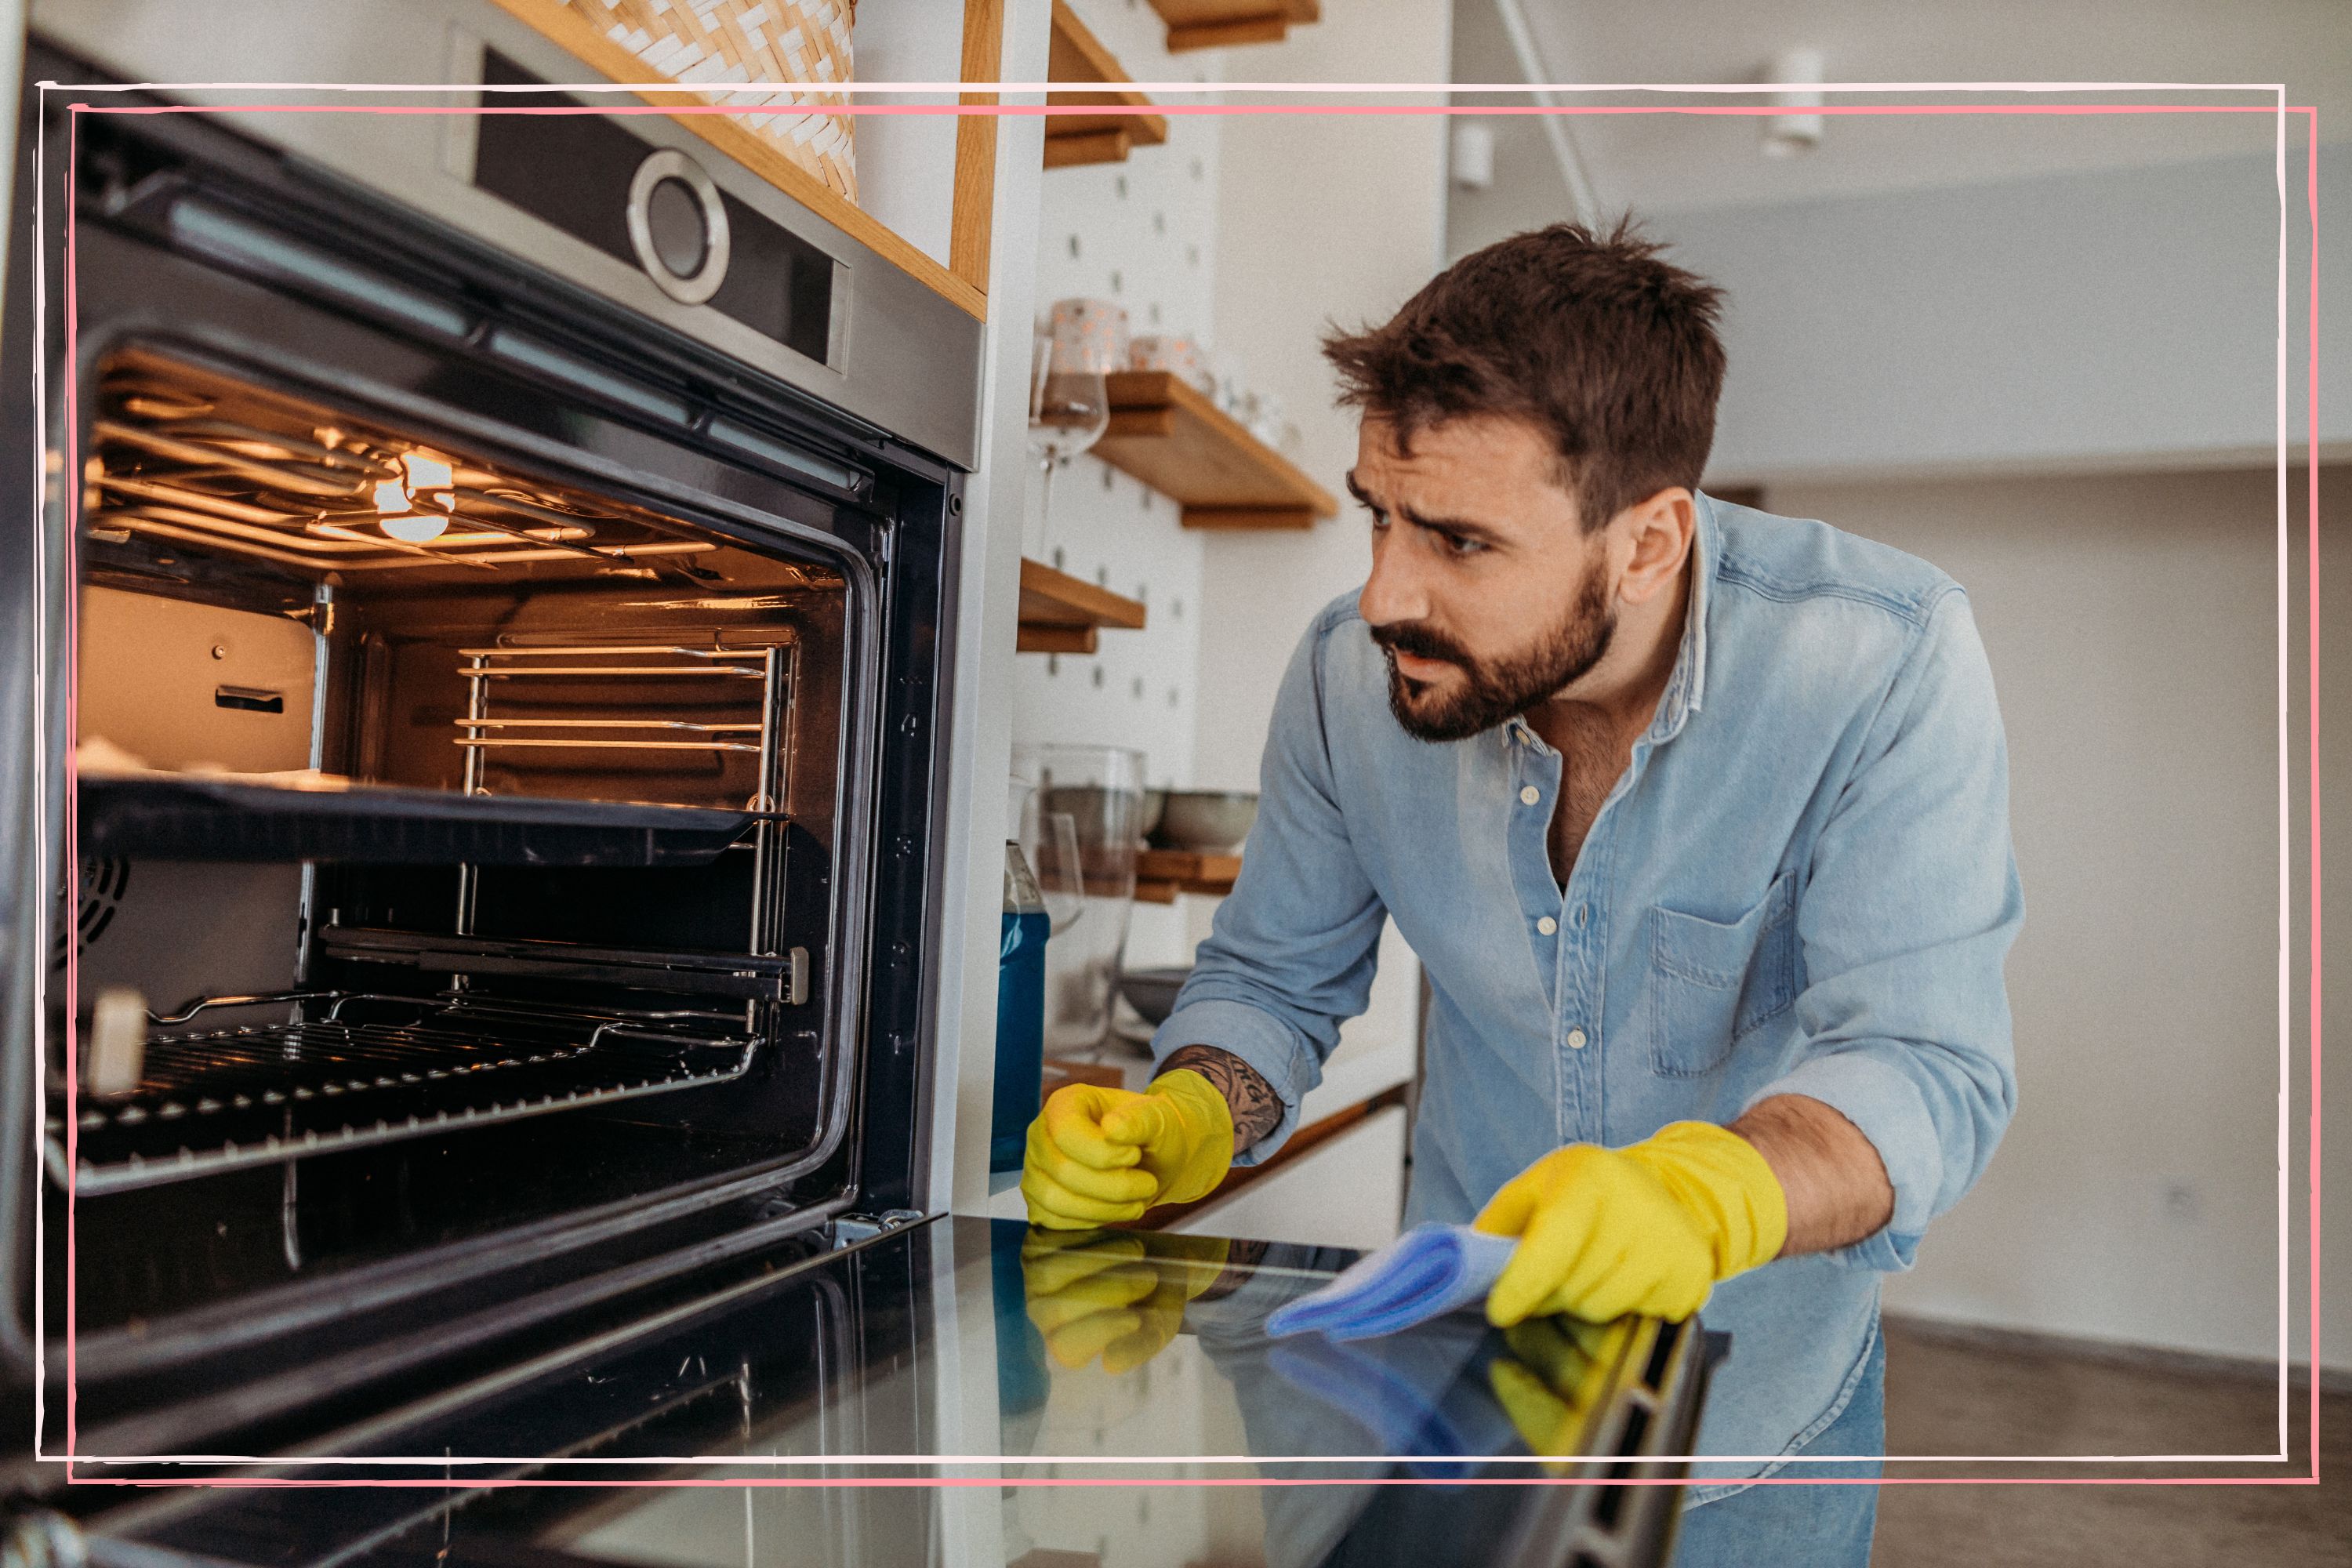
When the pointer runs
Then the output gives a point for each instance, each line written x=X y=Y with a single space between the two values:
x=1291 y=954
x=1910 y=904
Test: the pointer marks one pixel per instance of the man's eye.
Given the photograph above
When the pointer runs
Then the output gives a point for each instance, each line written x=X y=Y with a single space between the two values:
x=1380 y=519
x=1457 y=546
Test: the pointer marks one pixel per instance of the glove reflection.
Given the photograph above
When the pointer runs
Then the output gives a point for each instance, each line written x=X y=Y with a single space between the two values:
x=1553 y=1374
x=1116 y=1294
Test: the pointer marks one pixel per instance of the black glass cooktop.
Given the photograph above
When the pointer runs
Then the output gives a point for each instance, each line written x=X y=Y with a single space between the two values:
x=929 y=1397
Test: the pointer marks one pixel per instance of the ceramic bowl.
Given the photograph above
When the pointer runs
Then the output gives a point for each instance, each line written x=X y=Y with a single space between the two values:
x=1208 y=822
x=1152 y=992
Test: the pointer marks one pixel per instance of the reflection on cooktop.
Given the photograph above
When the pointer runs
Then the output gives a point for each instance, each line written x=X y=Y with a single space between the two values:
x=914 y=1400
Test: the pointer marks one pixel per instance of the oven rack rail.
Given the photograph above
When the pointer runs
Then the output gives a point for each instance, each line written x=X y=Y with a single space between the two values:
x=174 y=817
x=519 y=665
x=366 y=1068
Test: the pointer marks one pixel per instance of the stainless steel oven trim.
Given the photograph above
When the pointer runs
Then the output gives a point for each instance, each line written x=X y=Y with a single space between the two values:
x=903 y=357
x=848 y=933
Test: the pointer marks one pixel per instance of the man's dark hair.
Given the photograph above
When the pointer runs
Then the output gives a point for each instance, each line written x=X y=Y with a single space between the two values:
x=1608 y=351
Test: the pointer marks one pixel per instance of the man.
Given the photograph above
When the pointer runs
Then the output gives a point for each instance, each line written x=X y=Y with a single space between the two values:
x=1697 y=819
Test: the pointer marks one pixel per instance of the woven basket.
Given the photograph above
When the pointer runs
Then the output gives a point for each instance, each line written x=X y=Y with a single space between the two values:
x=694 y=42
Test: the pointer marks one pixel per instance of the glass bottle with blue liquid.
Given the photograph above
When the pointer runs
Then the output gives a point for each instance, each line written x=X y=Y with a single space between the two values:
x=1020 y=1012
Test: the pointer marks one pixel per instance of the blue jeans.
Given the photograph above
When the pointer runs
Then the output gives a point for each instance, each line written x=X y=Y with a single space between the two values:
x=1799 y=1526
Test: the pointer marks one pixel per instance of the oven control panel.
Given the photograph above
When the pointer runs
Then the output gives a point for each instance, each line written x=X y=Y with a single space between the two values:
x=656 y=208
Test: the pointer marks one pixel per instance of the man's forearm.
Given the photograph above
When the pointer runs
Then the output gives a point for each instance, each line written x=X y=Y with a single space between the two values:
x=1834 y=1180
x=1256 y=1108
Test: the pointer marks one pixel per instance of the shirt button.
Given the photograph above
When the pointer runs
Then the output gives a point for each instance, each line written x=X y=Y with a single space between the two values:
x=1576 y=1039
x=1547 y=925
x=1529 y=795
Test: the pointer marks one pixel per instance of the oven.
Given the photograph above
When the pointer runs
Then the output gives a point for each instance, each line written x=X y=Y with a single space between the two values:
x=479 y=702
x=479 y=758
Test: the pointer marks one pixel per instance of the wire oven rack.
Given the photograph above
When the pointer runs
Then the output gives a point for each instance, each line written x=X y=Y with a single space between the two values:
x=357 y=1068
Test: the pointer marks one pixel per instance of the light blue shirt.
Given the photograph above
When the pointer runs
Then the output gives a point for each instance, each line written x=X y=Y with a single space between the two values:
x=1802 y=884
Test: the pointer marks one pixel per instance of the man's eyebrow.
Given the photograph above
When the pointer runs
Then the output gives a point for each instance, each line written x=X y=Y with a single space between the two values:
x=1451 y=527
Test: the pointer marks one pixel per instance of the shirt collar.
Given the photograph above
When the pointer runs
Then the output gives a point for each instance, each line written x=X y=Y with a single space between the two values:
x=1688 y=684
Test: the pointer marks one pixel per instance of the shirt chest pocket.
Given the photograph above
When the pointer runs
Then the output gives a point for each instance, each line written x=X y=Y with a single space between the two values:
x=1711 y=983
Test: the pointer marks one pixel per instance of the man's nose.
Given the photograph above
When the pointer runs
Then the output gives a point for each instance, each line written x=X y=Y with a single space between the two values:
x=1392 y=594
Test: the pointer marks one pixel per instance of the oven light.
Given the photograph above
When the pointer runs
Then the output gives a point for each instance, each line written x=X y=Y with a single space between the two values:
x=393 y=505
x=426 y=473
x=416 y=527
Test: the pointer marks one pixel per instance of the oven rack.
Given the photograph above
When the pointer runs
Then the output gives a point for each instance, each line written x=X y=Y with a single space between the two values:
x=627 y=729
x=365 y=1069
x=177 y=816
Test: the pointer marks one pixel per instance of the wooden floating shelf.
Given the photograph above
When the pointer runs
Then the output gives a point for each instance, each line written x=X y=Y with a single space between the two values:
x=1161 y=874
x=1071 y=140
x=1062 y=614
x=1215 y=23
x=1165 y=432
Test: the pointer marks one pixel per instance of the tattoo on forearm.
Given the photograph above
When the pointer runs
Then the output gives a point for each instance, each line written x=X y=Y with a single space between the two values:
x=1256 y=1108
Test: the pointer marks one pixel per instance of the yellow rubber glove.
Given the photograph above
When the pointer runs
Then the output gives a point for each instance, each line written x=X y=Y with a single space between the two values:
x=1102 y=1156
x=1649 y=1228
x=1114 y=1293
x=1551 y=1379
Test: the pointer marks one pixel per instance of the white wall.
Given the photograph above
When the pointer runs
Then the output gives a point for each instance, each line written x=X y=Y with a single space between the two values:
x=1319 y=220
x=1141 y=234
x=2121 y=320
x=2130 y=624
x=2125 y=319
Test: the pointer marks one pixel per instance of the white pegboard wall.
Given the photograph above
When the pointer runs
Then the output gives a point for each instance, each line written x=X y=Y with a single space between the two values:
x=1142 y=234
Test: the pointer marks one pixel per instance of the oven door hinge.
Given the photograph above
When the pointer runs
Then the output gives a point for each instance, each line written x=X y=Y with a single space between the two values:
x=849 y=1229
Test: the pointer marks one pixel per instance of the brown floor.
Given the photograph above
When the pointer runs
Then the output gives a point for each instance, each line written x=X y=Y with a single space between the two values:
x=1962 y=1394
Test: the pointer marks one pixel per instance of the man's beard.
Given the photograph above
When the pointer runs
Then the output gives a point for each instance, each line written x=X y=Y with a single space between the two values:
x=1492 y=691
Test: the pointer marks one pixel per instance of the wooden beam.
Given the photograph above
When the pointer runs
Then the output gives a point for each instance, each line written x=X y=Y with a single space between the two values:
x=565 y=28
x=975 y=153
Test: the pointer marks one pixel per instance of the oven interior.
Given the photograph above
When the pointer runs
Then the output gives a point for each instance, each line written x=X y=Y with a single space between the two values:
x=456 y=845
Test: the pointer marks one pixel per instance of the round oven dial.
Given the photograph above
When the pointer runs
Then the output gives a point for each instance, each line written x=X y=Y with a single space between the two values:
x=678 y=226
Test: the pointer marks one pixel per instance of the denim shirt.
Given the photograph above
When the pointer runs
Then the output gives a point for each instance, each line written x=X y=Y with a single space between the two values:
x=1802 y=884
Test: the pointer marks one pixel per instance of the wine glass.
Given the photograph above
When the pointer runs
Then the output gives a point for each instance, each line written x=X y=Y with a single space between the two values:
x=1069 y=400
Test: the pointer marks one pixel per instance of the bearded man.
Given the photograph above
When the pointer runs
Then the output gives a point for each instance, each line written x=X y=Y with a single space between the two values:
x=1697 y=819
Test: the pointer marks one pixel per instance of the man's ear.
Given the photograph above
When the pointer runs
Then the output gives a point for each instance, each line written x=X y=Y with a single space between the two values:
x=1657 y=533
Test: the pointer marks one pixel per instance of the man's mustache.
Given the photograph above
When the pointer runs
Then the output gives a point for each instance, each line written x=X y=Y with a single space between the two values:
x=1419 y=641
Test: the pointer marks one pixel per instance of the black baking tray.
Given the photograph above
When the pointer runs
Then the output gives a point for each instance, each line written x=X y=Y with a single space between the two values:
x=182 y=817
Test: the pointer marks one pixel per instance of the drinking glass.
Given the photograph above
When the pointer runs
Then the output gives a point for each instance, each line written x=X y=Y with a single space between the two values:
x=1100 y=789
x=1050 y=840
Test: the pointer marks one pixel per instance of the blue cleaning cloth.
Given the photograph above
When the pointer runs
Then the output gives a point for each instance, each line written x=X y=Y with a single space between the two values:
x=1425 y=1273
